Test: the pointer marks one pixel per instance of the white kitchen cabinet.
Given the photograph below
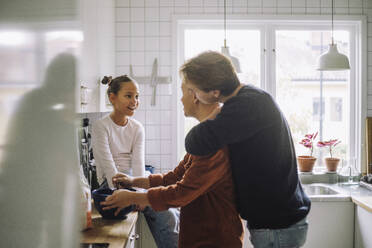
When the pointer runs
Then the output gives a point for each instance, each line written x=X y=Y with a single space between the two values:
x=331 y=224
x=363 y=228
x=98 y=52
x=145 y=237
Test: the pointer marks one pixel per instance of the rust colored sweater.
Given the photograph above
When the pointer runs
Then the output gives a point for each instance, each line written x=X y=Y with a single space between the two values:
x=203 y=188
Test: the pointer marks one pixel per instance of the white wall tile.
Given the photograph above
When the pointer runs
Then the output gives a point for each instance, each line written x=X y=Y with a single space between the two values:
x=151 y=28
x=341 y=3
x=122 y=3
x=341 y=11
x=123 y=69
x=180 y=10
x=165 y=44
x=151 y=3
x=166 y=162
x=369 y=59
x=165 y=14
x=138 y=70
x=241 y=3
x=254 y=10
x=166 y=102
x=211 y=10
x=122 y=44
x=138 y=58
x=325 y=11
x=122 y=15
x=153 y=147
x=149 y=59
x=284 y=3
x=137 y=44
x=356 y=3
x=153 y=160
x=122 y=29
x=153 y=132
x=298 y=10
x=151 y=43
x=137 y=15
x=122 y=58
x=165 y=28
x=165 y=132
x=326 y=3
x=165 y=58
x=239 y=10
x=298 y=3
x=137 y=29
x=269 y=3
x=195 y=3
x=137 y=3
x=254 y=3
x=180 y=3
x=196 y=10
x=269 y=11
x=370 y=44
x=209 y=3
x=166 y=3
x=151 y=14
x=165 y=70
x=370 y=73
x=165 y=117
x=356 y=11
x=140 y=115
x=369 y=102
x=313 y=3
x=312 y=11
x=369 y=87
x=166 y=147
x=284 y=11
x=152 y=116
x=165 y=89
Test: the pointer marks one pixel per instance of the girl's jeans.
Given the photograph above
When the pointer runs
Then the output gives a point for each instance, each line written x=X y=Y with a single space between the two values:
x=291 y=237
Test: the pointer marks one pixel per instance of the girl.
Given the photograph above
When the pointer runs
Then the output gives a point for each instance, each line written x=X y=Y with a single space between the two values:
x=118 y=146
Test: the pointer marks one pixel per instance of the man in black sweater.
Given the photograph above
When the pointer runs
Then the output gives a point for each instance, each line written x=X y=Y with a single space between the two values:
x=263 y=159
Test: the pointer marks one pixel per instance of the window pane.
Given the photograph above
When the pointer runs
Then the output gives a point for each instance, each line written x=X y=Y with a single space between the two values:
x=311 y=100
x=243 y=44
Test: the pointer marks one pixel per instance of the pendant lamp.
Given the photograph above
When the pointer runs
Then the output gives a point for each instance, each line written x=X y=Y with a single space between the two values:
x=225 y=49
x=333 y=60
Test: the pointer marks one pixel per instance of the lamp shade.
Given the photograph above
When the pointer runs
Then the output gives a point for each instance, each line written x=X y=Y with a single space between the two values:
x=225 y=51
x=333 y=60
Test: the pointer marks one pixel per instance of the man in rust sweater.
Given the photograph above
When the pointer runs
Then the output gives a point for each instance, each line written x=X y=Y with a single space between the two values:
x=201 y=185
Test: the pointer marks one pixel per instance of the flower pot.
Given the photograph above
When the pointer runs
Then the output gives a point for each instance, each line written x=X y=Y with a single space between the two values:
x=306 y=163
x=332 y=163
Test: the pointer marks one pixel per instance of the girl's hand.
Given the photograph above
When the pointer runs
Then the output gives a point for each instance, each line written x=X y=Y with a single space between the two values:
x=122 y=180
x=119 y=199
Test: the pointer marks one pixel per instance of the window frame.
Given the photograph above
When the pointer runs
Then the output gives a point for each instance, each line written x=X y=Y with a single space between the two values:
x=356 y=25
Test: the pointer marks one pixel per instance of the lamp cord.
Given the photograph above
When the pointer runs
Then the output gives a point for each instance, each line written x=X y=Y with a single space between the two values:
x=224 y=19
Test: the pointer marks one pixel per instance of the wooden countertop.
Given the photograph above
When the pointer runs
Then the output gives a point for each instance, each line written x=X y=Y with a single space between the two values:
x=114 y=232
x=363 y=201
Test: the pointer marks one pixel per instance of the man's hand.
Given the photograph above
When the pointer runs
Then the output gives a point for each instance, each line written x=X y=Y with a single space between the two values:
x=119 y=199
x=122 y=180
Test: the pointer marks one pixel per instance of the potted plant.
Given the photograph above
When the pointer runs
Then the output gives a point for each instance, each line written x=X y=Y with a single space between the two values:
x=330 y=162
x=306 y=163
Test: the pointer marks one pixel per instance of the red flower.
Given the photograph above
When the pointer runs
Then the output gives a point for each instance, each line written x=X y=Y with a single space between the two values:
x=308 y=141
x=330 y=143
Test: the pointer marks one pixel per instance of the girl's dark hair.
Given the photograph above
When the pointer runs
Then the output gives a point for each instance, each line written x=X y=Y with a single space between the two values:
x=114 y=85
x=211 y=70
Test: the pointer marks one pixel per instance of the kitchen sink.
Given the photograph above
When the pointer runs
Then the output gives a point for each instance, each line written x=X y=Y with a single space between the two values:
x=319 y=190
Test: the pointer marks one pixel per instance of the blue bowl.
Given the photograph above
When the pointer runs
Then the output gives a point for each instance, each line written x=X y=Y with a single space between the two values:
x=99 y=195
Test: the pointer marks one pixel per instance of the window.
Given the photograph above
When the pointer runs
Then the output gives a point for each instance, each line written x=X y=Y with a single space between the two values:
x=318 y=109
x=336 y=109
x=280 y=56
